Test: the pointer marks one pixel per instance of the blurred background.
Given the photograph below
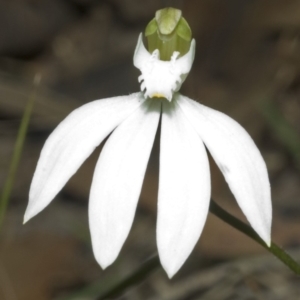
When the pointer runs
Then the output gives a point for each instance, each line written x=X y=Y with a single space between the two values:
x=247 y=65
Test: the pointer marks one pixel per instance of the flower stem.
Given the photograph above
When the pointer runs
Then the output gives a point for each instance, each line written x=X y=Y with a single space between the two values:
x=136 y=277
x=247 y=230
x=153 y=263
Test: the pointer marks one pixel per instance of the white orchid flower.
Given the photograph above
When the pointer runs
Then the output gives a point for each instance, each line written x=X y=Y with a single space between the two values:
x=184 y=176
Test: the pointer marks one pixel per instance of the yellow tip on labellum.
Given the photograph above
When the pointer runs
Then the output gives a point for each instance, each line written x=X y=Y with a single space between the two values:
x=157 y=95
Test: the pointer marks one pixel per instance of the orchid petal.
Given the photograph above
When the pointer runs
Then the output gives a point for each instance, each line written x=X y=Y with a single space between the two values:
x=162 y=78
x=118 y=179
x=238 y=159
x=72 y=142
x=184 y=189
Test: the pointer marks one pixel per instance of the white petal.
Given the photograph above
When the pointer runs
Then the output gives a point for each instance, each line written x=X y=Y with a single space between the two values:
x=72 y=142
x=238 y=159
x=118 y=181
x=162 y=78
x=184 y=189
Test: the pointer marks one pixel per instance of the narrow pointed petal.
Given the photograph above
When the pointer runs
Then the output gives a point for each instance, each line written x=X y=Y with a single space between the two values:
x=238 y=159
x=184 y=189
x=118 y=179
x=72 y=142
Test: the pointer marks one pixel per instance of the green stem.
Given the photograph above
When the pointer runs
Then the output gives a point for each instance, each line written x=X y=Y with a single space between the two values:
x=218 y=211
x=247 y=230
x=17 y=152
x=136 y=277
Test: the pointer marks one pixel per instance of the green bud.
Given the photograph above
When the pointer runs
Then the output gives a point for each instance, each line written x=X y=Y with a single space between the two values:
x=168 y=32
x=167 y=20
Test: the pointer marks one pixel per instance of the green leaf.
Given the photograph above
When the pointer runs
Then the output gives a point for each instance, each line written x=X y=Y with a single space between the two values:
x=17 y=152
x=284 y=131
